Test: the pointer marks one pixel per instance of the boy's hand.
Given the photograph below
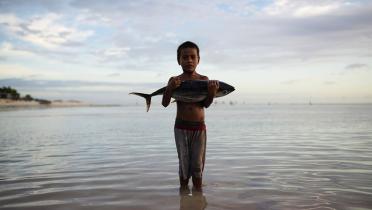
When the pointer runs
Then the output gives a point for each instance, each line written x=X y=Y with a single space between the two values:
x=213 y=86
x=174 y=82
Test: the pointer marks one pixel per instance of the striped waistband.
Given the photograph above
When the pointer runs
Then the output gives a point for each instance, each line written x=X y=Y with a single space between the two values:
x=189 y=125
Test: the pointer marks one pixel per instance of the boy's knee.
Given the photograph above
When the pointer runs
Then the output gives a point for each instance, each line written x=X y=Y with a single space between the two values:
x=197 y=172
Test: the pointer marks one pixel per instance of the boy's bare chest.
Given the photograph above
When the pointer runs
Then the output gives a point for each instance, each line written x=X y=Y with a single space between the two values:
x=196 y=77
x=182 y=106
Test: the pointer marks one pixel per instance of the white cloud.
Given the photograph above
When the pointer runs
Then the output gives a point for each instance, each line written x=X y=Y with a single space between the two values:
x=87 y=17
x=7 y=49
x=302 y=8
x=356 y=66
x=45 y=31
x=112 y=54
x=14 y=70
x=243 y=41
x=314 y=10
x=11 y=22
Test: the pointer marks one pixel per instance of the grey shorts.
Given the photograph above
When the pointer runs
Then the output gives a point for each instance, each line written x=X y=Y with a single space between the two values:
x=191 y=148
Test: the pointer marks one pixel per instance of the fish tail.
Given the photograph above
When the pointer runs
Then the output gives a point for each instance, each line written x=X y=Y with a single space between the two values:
x=146 y=96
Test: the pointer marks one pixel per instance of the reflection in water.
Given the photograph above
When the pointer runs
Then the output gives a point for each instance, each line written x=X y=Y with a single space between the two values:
x=192 y=201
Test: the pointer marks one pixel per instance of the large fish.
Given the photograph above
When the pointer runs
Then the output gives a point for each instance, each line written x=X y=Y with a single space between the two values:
x=189 y=91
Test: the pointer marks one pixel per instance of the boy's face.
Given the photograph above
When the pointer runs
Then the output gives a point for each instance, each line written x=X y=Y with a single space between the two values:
x=189 y=59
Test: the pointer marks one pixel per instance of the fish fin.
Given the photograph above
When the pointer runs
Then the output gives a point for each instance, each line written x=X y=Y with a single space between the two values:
x=146 y=96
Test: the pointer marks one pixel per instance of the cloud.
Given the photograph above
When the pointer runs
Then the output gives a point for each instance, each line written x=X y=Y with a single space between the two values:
x=87 y=17
x=20 y=6
x=329 y=83
x=315 y=10
x=73 y=84
x=114 y=75
x=48 y=33
x=8 y=49
x=111 y=54
x=144 y=32
x=302 y=8
x=292 y=82
x=355 y=66
x=45 y=31
x=238 y=39
x=11 y=23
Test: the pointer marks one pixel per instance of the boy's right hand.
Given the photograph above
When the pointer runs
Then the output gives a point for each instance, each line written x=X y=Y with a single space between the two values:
x=174 y=82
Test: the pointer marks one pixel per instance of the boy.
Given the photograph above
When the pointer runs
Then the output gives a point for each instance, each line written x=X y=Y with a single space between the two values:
x=190 y=130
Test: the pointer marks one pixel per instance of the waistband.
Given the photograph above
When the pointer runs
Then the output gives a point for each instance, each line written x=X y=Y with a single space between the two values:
x=189 y=125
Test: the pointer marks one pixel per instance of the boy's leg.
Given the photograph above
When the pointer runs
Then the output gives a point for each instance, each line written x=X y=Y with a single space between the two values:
x=183 y=156
x=185 y=190
x=184 y=182
x=198 y=158
x=197 y=182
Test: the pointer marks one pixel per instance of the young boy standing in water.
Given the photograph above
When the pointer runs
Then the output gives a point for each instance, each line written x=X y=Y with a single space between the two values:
x=189 y=129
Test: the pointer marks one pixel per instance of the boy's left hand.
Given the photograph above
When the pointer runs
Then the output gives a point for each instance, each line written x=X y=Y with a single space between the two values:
x=213 y=86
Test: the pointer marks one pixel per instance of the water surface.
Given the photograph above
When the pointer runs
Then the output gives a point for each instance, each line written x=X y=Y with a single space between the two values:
x=258 y=157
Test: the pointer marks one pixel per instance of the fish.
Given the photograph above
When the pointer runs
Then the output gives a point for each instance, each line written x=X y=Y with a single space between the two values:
x=189 y=91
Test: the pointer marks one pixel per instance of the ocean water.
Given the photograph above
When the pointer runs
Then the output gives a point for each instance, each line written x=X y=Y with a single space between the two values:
x=258 y=157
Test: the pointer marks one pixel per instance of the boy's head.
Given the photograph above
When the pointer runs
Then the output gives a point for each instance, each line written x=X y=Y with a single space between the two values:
x=188 y=56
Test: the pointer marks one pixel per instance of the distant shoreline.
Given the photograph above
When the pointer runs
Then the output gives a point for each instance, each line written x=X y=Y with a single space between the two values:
x=8 y=103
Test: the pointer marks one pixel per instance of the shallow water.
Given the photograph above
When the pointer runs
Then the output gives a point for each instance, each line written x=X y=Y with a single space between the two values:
x=258 y=157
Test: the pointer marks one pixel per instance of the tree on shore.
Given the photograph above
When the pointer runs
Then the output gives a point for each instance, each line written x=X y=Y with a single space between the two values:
x=9 y=93
x=28 y=98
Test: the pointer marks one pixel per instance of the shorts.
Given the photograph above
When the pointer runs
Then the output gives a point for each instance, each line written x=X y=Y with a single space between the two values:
x=191 y=139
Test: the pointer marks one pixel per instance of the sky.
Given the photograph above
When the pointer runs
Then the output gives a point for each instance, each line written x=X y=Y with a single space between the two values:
x=271 y=51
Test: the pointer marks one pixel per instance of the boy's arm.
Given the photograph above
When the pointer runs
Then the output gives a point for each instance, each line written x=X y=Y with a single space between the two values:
x=213 y=86
x=173 y=83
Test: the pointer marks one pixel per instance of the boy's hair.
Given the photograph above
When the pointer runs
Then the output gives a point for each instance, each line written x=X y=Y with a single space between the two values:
x=184 y=45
